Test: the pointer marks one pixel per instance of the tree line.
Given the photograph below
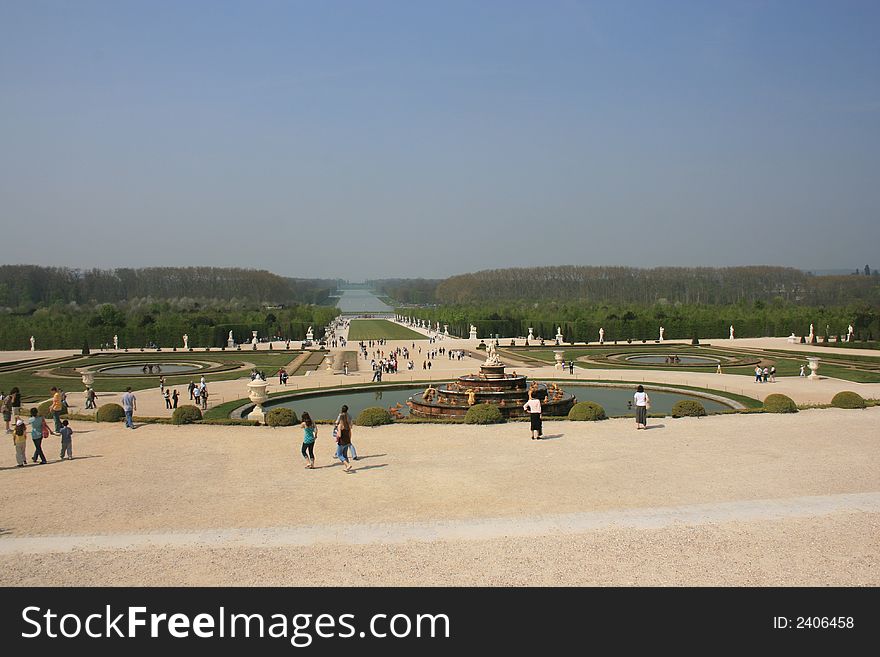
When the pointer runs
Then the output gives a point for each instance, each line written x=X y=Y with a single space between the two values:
x=620 y=285
x=581 y=322
x=687 y=285
x=142 y=322
x=28 y=286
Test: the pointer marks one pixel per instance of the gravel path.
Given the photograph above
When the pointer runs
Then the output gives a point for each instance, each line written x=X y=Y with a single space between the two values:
x=749 y=499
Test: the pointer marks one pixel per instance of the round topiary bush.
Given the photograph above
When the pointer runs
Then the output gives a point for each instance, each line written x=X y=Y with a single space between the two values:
x=688 y=408
x=110 y=413
x=281 y=417
x=483 y=414
x=43 y=409
x=847 y=399
x=186 y=415
x=587 y=411
x=373 y=417
x=777 y=403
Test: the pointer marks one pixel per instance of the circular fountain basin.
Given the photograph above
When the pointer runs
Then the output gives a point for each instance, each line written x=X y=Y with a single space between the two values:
x=326 y=405
x=138 y=368
x=660 y=359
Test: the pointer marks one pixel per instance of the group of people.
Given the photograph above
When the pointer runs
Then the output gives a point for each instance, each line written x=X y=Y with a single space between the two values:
x=39 y=428
x=345 y=451
x=765 y=375
x=641 y=401
x=198 y=393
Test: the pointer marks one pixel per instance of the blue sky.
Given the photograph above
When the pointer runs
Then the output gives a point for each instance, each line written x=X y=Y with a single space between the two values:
x=370 y=139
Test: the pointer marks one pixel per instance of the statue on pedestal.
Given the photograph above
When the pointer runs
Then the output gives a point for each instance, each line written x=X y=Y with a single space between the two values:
x=116 y=342
x=849 y=332
x=731 y=331
x=492 y=355
x=661 y=333
x=32 y=343
x=601 y=336
x=185 y=341
x=810 y=339
x=473 y=332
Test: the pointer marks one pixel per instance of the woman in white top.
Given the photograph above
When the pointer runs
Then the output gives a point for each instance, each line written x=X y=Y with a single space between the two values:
x=642 y=402
x=533 y=408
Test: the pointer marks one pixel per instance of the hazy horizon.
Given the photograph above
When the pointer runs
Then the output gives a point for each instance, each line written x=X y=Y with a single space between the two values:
x=404 y=140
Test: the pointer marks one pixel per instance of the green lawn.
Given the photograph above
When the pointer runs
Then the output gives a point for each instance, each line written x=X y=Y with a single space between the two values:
x=786 y=365
x=35 y=387
x=376 y=329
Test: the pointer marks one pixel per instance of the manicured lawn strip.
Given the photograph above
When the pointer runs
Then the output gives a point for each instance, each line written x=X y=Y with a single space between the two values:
x=786 y=365
x=376 y=329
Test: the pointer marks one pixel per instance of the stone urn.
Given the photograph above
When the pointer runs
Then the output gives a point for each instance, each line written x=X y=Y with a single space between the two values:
x=257 y=394
x=813 y=364
x=329 y=363
x=88 y=378
x=559 y=354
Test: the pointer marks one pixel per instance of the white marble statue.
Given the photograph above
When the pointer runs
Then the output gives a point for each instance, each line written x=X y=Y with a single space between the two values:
x=850 y=331
x=32 y=343
x=185 y=341
x=731 y=331
x=531 y=336
x=661 y=333
x=230 y=337
x=253 y=337
x=601 y=336
x=116 y=342
x=492 y=355
x=473 y=332
x=810 y=339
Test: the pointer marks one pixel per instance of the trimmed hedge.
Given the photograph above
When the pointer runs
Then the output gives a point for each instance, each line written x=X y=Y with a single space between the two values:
x=281 y=417
x=847 y=399
x=43 y=409
x=483 y=414
x=373 y=416
x=110 y=413
x=777 y=403
x=186 y=415
x=688 y=408
x=587 y=411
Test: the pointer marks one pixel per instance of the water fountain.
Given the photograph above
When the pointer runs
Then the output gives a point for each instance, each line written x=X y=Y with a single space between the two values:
x=492 y=385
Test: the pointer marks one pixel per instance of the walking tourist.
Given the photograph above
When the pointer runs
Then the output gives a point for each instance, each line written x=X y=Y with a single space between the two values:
x=174 y=398
x=310 y=434
x=129 y=405
x=643 y=403
x=758 y=373
x=39 y=430
x=533 y=408
x=803 y=370
x=20 y=441
x=571 y=367
x=343 y=440
x=7 y=411
x=15 y=401
x=67 y=440
x=205 y=398
x=55 y=408
x=197 y=396
x=192 y=386
x=167 y=396
x=773 y=374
